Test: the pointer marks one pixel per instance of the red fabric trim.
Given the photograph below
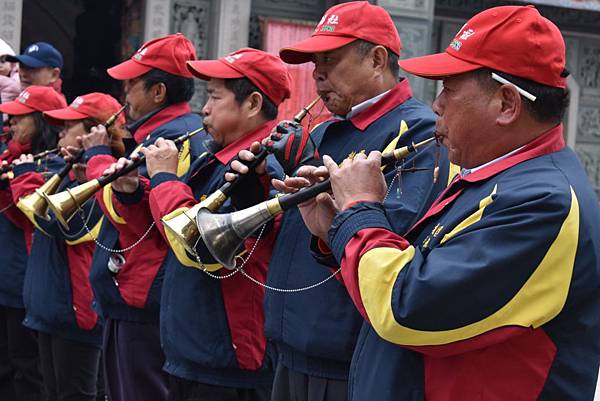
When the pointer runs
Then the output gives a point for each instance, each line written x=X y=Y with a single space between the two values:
x=288 y=148
x=97 y=164
x=14 y=150
x=26 y=184
x=169 y=113
x=230 y=151
x=361 y=243
x=244 y=303
x=168 y=196
x=395 y=97
x=323 y=247
x=514 y=368
x=80 y=263
x=549 y=142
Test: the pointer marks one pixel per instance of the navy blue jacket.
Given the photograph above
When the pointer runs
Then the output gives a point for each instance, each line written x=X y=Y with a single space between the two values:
x=57 y=293
x=493 y=295
x=15 y=235
x=315 y=331
x=134 y=294
x=212 y=331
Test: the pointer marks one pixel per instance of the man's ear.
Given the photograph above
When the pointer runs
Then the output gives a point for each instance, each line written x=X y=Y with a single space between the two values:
x=379 y=57
x=510 y=105
x=55 y=74
x=158 y=92
x=254 y=103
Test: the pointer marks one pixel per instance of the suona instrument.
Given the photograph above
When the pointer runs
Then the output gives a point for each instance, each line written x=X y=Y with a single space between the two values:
x=183 y=227
x=224 y=234
x=65 y=204
x=36 y=202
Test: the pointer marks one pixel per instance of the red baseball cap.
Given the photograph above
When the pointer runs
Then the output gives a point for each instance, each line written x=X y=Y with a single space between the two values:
x=516 y=40
x=98 y=106
x=342 y=24
x=169 y=54
x=264 y=70
x=34 y=98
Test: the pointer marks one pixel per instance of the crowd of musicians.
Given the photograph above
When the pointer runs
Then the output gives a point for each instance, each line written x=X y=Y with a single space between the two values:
x=467 y=269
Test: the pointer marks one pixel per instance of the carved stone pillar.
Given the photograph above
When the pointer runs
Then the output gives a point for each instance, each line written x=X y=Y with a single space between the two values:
x=190 y=17
x=10 y=23
x=233 y=18
x=414 y=20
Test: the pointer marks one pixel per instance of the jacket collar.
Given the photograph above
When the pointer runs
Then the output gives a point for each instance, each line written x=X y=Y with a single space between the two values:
x=226 y=154
x=549 y=142
x=143 y=127
x=395 y=97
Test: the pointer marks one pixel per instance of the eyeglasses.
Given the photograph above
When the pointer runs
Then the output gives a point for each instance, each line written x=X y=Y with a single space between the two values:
x=522 y=91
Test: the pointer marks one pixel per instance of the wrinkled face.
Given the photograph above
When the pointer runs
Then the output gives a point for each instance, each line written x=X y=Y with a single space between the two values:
x=464 y=119
x=138 y=98
x=223 y=116
x=37 y=76
x=68 y=135
x=342 y=76
x=22 y=127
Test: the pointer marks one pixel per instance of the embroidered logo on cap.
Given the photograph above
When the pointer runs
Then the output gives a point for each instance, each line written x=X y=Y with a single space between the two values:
x=141 y=53
x=232 y=57
x=466 y=34
x=77 y=102
x=32 y=48
x=332 y=21
x=23 y=97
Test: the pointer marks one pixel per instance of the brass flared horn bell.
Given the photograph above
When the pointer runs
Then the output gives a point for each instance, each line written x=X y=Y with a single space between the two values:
x=66 y=203
x=35 y=203
x=183 y=226
x=224 y=234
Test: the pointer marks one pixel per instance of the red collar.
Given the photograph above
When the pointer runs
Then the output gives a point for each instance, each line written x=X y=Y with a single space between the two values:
x=549 y=142
x=14 y=150
x=395 y=97
x=226 y=154
x=162 y=117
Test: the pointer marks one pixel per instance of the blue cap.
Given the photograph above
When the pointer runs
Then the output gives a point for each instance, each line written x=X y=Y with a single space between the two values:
x=38 y=55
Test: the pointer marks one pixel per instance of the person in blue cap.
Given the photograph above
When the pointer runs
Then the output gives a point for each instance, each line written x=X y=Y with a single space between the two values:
x=40 y=64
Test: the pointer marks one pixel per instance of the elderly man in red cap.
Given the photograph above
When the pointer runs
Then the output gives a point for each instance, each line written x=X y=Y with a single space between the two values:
x=494 y=294
x=355 y=51
x=129 y=263
x=213 y=330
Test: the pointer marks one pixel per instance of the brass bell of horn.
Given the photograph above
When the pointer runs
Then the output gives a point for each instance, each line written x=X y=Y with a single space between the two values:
x=35 y=203
x=224 y=234
x=65 y=204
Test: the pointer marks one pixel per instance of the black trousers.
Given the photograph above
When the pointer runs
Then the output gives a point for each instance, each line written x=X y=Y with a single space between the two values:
x=294 y=386
x=185 y=390
x=20 y=377
x=133 y=362
x=69 y=368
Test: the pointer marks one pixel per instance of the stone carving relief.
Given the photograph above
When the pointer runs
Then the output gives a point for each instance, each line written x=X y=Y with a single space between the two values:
x=590 y=159
x=10 y=23
x=415 y=41
x=406 y=8
x=589 y=124
x=589 y=67
x=192 y=18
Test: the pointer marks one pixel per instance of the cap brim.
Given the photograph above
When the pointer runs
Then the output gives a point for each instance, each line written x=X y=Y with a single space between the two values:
x=15 y=108
x=128 y=69
x=28 y=61
x=437 y=66
x=302 y=51
x=207 y=69
x=57 y=117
